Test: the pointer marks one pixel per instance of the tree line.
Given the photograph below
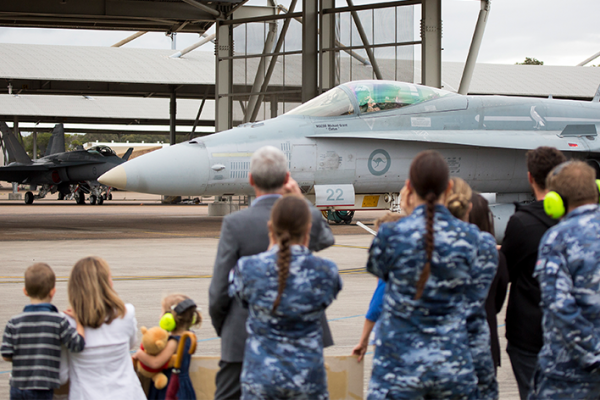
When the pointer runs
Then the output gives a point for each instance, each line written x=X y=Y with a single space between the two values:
x=73 y=141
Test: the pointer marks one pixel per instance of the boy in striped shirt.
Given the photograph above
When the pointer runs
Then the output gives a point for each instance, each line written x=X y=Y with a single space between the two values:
x=32 y=340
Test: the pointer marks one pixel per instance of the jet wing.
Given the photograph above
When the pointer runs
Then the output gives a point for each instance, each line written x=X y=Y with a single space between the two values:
x=63 y=164
x=19 y=172
x=24 y=168
x=505 y=139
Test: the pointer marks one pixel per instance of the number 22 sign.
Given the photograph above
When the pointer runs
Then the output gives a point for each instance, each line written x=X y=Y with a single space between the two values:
x=334 y=195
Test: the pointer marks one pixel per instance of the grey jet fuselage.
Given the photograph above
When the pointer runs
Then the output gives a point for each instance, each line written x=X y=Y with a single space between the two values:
x=366 y=133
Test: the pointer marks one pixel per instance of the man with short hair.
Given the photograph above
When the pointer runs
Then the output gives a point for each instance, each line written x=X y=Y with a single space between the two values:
x=245 y=233
x=520 y=246
x=568 y=270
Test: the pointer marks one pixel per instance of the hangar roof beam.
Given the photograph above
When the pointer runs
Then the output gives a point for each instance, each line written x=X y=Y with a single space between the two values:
x=365 y=40
x=465 y=82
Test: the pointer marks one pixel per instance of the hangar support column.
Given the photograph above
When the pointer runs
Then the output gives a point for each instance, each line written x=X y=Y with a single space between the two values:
x=431 y=47
x=328 y=70
x=15 y=195
x=224 y=86
x=310 y=39
x=172 y=116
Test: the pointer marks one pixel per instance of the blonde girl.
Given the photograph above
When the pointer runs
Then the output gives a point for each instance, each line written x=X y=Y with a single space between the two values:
x=103 y=369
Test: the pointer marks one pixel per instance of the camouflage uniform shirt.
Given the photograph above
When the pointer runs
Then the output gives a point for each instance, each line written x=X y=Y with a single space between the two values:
x=437 y=346
x=568 y=269
x=284 y=351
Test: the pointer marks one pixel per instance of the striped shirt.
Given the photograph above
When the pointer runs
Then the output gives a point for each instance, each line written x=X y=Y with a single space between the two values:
x=33 y=340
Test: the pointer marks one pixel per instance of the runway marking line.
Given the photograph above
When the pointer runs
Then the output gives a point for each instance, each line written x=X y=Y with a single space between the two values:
x=350 y=246
x=180 y=234
x=18 y=279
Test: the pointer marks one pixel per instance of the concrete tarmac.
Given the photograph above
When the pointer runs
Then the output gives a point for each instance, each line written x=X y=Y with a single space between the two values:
x=154 y=250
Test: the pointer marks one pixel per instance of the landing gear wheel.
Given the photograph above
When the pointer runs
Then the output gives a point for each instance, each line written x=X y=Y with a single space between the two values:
x=61 y=196
x=79 y=198
x=110 y=196
x=92 y=200
x=340 y=216
x=103 y=196
x=29 y=198
x=100 y=201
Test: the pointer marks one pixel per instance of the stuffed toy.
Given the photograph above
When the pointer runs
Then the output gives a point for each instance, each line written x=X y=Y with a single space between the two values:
x=154 y=340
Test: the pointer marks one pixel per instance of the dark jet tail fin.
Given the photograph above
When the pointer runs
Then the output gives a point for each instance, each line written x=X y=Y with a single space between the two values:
x=16 y=152
x=127 y=154
x=58 y=144
x=596 y=98
x=49 y=146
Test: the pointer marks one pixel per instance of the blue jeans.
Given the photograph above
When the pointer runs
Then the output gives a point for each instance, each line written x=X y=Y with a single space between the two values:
x=523 y=364
x=18 y=394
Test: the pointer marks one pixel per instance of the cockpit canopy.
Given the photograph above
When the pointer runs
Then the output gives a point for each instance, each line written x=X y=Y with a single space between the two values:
x=103 y=150
x=370 y=96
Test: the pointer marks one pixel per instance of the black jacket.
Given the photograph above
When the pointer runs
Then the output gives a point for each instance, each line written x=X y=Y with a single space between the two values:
x=520 y=246
x=494 y=303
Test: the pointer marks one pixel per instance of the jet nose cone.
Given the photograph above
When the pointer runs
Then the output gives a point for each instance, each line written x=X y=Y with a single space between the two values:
x=180 y=170
x=116 y=177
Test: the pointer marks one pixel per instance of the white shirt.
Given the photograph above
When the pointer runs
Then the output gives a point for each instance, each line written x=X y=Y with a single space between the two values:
x=104 y=370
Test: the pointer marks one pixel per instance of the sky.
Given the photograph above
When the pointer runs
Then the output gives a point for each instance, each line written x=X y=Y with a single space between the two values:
x=555 y=32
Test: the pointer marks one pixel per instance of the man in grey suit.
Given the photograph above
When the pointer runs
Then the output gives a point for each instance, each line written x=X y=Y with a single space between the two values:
x=245 y=233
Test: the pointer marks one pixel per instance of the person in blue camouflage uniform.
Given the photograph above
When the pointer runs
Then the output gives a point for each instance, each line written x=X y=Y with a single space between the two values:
x=283 y=357
x=568 y=270
x=438 y=271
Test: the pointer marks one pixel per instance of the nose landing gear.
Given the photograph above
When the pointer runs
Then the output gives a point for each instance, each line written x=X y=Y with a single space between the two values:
x=340 y=217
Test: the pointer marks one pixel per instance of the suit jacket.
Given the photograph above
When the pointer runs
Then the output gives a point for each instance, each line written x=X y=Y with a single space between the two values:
x=245 y=233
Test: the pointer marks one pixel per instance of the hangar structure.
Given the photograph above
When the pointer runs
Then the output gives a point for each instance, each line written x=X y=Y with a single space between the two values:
x=334 y=35
x=267 y=59
x=106 y=85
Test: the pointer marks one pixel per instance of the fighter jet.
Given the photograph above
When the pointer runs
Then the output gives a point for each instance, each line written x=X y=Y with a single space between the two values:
x=70 y=173
x=351 y=147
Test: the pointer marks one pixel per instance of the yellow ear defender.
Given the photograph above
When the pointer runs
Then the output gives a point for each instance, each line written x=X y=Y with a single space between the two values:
x=556 y=207
x=167 y=321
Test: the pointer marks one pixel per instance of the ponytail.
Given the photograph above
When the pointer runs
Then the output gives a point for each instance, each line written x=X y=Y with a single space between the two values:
x=429 y=176
x=429 y=214
x=283 y=267
x=290 y=220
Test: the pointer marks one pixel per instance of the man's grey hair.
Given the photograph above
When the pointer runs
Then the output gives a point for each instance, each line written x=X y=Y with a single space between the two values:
x=269 y=168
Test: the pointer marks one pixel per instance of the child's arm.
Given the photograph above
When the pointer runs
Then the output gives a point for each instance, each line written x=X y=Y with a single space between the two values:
x=158 y=360
x=73 y=339
x=80 y=329
x=7 y=349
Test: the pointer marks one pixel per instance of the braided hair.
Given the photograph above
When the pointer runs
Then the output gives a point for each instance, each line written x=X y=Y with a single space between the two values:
x=429 y=176
x=290 y=221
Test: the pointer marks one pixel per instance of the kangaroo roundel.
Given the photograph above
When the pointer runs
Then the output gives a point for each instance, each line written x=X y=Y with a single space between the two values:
x=379 y=162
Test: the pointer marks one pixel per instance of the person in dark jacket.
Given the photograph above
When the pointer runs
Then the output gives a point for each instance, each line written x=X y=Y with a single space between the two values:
x=520 y=246
x=482 y=217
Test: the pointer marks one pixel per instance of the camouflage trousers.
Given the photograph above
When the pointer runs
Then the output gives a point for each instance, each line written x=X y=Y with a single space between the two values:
x=545 y=387
x=262 y=392
x=398 y=385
